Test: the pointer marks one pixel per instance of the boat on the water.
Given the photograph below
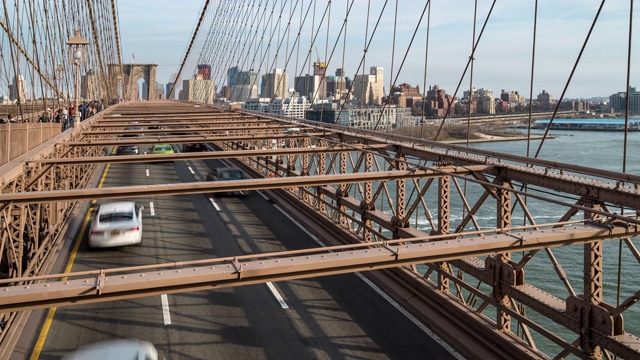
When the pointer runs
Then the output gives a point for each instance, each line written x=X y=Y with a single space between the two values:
x=589 y=124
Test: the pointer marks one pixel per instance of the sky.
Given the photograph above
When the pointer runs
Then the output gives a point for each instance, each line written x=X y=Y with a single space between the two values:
x=159 y=32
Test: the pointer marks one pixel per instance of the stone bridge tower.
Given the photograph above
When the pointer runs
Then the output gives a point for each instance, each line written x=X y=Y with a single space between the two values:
x=127 y=79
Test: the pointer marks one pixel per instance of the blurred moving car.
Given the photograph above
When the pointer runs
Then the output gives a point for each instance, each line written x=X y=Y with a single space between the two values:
x=116 y=224
x=155 y=125
x=132 y=134
x=120 y=349
x=162 y=149
x=127 y=150
x=194 y=147
x=227 y=173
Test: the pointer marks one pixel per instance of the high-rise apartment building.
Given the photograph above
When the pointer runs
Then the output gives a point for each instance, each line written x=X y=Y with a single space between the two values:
x=245 y=85
x=486 y=101
x=438 y=102
x=369 y=88
x=276 y=85
x=198 y=90
x=310 y=86
x=232 y=76
x=169 y=87
x=144 y=91
x=511 y=96
x=618 y=101
x=545 y=100
x=19 y=89
x=160 y=92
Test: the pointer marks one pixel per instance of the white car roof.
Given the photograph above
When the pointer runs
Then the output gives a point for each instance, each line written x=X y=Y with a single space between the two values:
x=119 y=206
x=121 y=349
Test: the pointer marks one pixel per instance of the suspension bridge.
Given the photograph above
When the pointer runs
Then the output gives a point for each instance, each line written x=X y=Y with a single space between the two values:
x=353 y=241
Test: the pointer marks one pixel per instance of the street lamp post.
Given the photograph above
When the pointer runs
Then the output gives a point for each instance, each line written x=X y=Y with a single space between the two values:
x=77 y=50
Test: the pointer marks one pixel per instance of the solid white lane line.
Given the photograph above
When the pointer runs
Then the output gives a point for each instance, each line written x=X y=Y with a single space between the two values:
x=147 y=172
x=165 y=309
x=151 y=209
x=393 y=303
x=275 y=293
x=191 y=170
x=214 y=204
x=263 y=195
x=300 y=226
x=411 y=318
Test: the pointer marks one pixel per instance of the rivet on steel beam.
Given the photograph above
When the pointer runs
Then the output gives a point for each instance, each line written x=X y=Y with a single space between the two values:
x=46 y=285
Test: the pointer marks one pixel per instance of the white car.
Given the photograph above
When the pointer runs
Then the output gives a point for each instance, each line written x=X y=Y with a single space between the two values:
x=116 y=350
x=116 y=224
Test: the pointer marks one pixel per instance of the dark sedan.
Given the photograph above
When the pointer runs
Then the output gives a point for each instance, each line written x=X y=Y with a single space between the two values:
x=127 y=150
x=227 y=173
x=194 y=147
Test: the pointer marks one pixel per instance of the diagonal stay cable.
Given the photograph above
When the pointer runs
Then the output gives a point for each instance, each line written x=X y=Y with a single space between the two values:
x=193 y=38
x=566 y=86
x=486 y=20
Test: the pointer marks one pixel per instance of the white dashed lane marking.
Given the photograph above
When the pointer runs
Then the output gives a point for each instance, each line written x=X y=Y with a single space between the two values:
x=165 y=309
x=275 y=293
x=214 y=204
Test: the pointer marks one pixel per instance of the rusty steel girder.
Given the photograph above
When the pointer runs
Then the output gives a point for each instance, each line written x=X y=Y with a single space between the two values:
x=373 y=188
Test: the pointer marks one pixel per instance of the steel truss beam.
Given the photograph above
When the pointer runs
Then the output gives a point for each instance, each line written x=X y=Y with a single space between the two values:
x=112 y=284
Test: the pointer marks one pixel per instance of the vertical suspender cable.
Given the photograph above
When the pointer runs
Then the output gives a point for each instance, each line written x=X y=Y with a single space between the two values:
x=426 y=61
x=473 y=58
x=533 y=58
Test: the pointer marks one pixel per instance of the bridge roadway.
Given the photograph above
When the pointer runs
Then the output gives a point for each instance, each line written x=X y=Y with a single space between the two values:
x=324 y=318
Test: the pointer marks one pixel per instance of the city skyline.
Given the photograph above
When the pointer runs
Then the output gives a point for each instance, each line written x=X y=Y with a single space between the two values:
x=503 y=57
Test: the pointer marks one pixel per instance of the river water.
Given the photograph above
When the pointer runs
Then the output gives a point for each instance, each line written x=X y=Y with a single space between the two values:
x=602 y=150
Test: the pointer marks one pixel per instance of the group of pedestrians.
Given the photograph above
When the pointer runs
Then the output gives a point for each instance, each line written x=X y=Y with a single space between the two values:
x=64 y=115
x=11 y=119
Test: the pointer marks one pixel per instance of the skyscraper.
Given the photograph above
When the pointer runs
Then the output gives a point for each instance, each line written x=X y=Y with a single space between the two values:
x=18 y=91
x=369 y=88
x=198 y=89
x=276 y=84
x=232 y=76
x=245 y=86
x=160 y=91
x=204 y=70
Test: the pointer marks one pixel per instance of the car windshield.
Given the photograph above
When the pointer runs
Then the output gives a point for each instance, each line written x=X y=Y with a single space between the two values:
x=163 y=147
x=231 y=175
x=115 y=217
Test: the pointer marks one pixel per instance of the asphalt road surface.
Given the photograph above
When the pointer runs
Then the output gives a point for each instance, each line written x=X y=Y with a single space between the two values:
x=334 y=317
